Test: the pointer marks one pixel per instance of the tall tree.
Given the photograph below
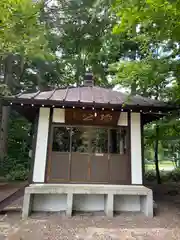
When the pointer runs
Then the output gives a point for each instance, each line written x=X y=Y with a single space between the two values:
x=157 y=73
x=81 y=34
x=157 y=23
x=22 y=35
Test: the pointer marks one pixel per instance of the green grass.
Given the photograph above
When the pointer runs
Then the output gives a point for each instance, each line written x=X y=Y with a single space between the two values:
x=162 y=165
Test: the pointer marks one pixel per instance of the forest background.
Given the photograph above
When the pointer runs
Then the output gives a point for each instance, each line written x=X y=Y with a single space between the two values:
x=131 y=46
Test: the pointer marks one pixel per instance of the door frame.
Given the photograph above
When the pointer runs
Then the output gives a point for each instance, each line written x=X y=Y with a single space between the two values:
x=49 y=160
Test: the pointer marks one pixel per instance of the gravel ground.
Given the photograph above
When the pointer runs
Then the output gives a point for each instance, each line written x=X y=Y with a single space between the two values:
x=165 y=225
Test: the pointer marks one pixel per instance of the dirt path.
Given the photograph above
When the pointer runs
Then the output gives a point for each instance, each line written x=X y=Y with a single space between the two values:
x=164 y=226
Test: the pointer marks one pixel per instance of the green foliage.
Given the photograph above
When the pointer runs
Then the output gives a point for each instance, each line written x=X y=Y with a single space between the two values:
x=149 y=75
x=159 y=18
x=18 y=173
x=154 y=25
x=4 y=90
x=18 y=144
x=169 y=142
x=14 y=169
x=21 y=29
x=152 y=69
x=23 y=37
x=175 y=175
x=17 y=164
x=6 y=165
x=166 y=176
x=81 y=33
x=150 y=175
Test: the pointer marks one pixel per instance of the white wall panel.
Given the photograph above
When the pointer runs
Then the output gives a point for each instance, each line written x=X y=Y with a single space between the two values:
x=136 y=151
x=41 y=145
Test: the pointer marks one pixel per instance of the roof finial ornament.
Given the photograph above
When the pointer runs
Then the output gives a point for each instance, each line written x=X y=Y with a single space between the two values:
x=88 y=79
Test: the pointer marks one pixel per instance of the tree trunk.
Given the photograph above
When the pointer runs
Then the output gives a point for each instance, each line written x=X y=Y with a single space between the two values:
x=4 y=132
x=133 y=88
x=7 y=71
x=8 y=62
x=156 y=147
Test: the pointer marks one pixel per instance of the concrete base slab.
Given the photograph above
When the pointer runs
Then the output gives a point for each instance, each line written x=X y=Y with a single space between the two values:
x=114 y=198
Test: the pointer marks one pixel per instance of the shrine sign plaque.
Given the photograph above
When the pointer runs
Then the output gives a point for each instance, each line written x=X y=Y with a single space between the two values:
x=91 y=117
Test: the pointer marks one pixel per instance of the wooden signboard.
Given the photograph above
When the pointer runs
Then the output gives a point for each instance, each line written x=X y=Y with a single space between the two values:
x=90 y=117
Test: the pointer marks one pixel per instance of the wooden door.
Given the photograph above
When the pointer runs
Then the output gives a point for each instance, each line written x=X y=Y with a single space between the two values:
x=99 y=162
x=59 y=155
x=80 y=155
x=119 y=169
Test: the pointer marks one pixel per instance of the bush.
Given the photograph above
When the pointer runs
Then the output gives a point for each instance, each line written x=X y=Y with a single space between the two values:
x=15 y=169
x=175 y=175
x=172 y=176
x=18 y=173
x=150 y=175
x=165 y=176
x=7 y=164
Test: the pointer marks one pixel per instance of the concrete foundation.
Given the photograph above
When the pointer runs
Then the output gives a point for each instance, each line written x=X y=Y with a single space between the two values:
x=49 y=202
x=84 y=197
x=127 y=203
